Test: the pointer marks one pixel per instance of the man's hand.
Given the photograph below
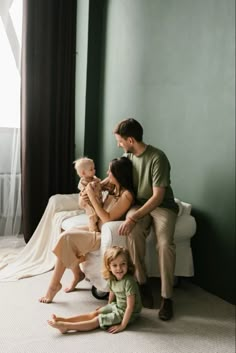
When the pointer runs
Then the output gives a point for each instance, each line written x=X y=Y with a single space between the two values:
x=126 y=227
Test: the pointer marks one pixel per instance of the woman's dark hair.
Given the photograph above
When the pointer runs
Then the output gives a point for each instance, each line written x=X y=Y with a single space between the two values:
x=122 y=169
x=129 y=128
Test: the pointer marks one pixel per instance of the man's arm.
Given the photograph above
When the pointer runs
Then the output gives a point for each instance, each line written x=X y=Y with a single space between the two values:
x=154 y=201
x=150 y=204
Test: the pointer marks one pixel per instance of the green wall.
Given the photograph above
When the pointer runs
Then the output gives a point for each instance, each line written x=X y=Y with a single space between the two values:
x=170 y=65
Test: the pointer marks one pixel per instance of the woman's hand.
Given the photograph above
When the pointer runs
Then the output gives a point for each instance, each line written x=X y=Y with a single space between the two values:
x=90 y=191
x=84 y=197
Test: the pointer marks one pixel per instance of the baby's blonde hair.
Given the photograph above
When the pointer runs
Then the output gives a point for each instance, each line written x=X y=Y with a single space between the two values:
x=110 y=255
x=82 y=163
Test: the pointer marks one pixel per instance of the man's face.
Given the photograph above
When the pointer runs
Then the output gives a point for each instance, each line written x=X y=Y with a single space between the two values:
x=126 y=144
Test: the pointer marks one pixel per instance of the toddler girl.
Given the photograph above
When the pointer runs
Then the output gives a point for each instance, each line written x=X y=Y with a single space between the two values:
x=124 y=303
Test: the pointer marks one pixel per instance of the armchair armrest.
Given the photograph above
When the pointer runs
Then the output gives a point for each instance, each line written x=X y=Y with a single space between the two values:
x=110 y=236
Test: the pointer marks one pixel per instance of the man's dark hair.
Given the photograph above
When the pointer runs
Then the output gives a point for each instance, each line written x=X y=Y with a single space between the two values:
x=129 y=128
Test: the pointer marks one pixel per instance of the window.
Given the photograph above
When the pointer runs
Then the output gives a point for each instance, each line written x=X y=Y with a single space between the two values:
x=10 y=47
x=10 y=82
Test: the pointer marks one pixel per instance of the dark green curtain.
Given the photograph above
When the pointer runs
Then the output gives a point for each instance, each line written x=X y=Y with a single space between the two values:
x=48 y=105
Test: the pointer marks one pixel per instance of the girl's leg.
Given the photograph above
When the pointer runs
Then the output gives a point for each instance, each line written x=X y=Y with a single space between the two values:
x=77 y=318
x=54 y=285
x=85 y=322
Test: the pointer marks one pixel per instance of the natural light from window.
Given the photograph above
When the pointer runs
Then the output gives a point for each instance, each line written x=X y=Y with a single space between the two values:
x=10 y=47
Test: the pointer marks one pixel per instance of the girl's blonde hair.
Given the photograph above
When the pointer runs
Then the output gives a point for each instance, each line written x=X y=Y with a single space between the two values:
x=110 y=255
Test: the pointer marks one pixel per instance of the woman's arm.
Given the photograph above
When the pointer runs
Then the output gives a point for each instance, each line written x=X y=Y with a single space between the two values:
x=127 y=315
x=107 y=186
x=117 y=211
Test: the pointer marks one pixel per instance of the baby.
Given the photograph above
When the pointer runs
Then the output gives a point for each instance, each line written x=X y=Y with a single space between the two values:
x=85 y=169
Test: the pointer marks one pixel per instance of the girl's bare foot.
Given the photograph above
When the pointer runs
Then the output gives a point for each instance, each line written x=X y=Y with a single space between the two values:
x=78 y=277
x=58 y=324
x=52 y=291
x=57 y=318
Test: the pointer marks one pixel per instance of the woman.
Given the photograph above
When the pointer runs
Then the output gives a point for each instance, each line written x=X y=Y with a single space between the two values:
x=75 y=243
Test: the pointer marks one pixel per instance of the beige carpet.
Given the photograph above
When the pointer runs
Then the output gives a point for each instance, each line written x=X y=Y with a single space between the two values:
x=203 y=323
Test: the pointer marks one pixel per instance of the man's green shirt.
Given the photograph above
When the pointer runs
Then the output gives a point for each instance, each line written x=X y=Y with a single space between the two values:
x=152 y=168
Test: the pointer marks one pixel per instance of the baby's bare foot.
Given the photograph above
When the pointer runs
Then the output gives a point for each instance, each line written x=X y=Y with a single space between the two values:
x=77 y=278
x=58 y=324
x=52 y=291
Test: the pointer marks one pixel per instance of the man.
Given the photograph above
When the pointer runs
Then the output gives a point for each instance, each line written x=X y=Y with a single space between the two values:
x=151 y=174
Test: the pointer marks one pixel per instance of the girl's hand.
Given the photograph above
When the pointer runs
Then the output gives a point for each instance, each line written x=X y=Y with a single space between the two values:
x=116 y=329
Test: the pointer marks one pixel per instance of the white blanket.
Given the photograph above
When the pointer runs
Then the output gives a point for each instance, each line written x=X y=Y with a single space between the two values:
x=37 y=257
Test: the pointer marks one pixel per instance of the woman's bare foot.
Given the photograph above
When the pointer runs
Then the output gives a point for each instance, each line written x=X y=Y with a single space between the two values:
x=78 y=277
x=58 y=324
x=52 y=291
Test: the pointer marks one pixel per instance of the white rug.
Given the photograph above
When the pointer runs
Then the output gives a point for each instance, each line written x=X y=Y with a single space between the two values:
x=10 y=246
x=202 y=323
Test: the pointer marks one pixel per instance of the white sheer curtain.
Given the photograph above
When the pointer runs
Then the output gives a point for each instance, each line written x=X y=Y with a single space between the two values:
x=10 y=174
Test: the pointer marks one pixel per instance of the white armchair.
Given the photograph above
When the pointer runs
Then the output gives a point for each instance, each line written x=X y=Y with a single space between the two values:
x=184 y=231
